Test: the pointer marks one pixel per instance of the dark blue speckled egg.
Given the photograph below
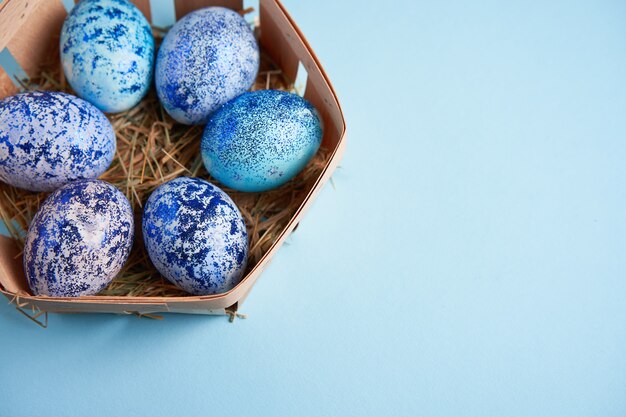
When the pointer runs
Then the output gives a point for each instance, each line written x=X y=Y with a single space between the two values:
x=48 y=139
x=79 y=240
x=261 y=140
x=208 y=57
x=107 y=52
x=195 y=236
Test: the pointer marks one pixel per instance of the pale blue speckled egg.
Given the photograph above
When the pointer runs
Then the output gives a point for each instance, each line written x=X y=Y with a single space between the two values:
x=48 y=139
x=195 y=236
x=260 y=140
x=208 y=57
x=107 y=52
x=79 y=240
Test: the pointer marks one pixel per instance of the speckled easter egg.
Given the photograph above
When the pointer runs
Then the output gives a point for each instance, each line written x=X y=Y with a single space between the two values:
x=107 y=52
x=48 y=139
x=261 y=140
x=208 y=57
x=195 y=236
x=79 y=240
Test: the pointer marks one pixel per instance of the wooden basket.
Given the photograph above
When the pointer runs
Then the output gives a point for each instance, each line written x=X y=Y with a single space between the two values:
x=28 y=30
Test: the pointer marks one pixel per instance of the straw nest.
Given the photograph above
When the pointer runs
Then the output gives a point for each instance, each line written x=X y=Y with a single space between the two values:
x=152 y=149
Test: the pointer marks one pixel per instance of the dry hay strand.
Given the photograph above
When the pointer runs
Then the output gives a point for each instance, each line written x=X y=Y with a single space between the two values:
x=152 y=149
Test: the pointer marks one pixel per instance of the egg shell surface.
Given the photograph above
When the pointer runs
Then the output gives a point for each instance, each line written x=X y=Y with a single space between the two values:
x=107 y=53
x=261 y=139
x=78 y=240
x=195 y=236
x=207 y=58
x=48 y=139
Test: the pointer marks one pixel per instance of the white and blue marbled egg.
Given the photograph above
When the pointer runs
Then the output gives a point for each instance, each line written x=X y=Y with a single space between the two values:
x=48 y=139
x=261 y=139
x=208 y=57
x=195 y=236
x=79 y=240
x=107 y=52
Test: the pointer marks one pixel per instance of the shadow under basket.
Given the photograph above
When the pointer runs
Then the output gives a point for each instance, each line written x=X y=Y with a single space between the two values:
x=29 y=30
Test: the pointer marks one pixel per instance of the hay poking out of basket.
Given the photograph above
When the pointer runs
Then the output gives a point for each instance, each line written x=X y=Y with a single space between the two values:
x=153 y=149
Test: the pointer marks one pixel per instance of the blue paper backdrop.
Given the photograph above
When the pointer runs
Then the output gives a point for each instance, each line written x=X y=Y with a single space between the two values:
x=469 y=261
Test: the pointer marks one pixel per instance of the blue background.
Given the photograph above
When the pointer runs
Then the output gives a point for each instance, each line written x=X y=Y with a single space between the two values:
x=469 y=261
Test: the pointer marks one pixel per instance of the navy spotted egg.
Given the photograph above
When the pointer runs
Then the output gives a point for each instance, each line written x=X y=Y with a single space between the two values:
x=79 y=240
x=261 y=140
x=208 y=57
x=107 y=52
x=48 y=139
x=195 y=236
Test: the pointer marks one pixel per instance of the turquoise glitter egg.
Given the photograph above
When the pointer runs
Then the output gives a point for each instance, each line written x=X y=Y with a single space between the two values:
x=207 y=58
x=48 y=139
x=79 y=240
x=261 y=139
x=195 y=236
x=107 y=52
